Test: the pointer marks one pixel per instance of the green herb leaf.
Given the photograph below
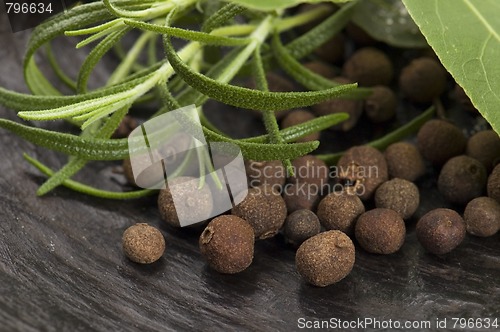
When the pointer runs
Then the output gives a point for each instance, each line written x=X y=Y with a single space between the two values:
x=267 y=5
x=79 y=187
x=305 y=76
x=388 y=21
x=248 y=98
x=189 y=34
x=465 y=34
x=84 y=147
x=221 y=16
x=293 y=133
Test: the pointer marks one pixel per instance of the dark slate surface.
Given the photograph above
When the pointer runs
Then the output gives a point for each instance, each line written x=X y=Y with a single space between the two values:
x=62 y=269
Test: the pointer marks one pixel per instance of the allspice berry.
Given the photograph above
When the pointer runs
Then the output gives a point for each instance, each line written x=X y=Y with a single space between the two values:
x=297 y=117
x=482 y=217
x=227 y=243
x=362 y=169
x=352 y=107
x=326 y=258
x=310 y=169
x=127 y=171
x=423 y=80
x=404 y=161
x=381 y=105
x=494 y=184
x=380 y=231
x=485 y=147
x=369 y=67
x=300 y=196
x=440 y=231
x=127 y=125
x=301 y=225
x=399 y=195
x=439 y=140
x=332 y=51
x=321 y=68
x=143 y=243
x=264 y=209
x=462 y=178
x=197 y=204
x=339 y=211
x=270 y=172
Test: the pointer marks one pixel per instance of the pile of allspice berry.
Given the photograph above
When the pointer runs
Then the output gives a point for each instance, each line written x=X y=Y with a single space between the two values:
x=369 y=196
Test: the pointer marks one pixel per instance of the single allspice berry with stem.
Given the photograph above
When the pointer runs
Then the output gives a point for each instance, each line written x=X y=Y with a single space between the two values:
x=227 y=243
x=143 y=243
x=440 y=231
x=326 y=258
x=362 y=169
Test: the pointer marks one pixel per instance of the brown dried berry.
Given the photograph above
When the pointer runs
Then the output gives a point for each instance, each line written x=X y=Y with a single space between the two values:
x=339 y=211
x=196 y=204
x=404 y=161
x=369 y=67
x=399 y=195
x=423 y=80
x=126 y=126
x=440 y=231
x=380 y=231
x=127 y=171
x=264 y=209
x=271 y=172
x=326 y=258
x=310 y=169
x=439 y=140
x=461 y=179
x=301 y=225
x=362 y=169
x=297 y=117
x=381 y=105
x=494 y=184
x=485 y=147
x=300 y=196
x=463 y=99
x=143 y=243
x=482 y=217
x=322 y=69
x=227 y=243
x=333 y=50
x=352 y=107
x=359 y=36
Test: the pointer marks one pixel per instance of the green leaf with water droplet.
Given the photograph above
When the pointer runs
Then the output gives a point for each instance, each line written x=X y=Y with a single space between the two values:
x=465 y=34
x=388 y=21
